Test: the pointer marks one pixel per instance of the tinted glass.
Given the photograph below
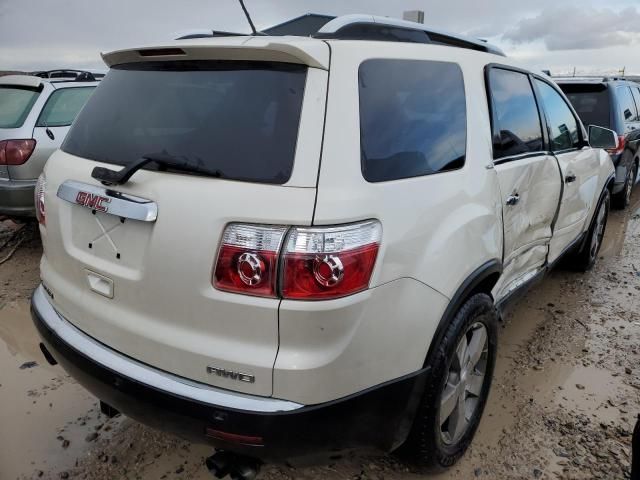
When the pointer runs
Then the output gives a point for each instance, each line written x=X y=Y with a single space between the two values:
x=591 y=102
x=517 y=128
x=237 y=120
x=15 y=105
x=63 y=106
x=563 y=125
x=636 y=97
x=627 y=104
x=412 y=118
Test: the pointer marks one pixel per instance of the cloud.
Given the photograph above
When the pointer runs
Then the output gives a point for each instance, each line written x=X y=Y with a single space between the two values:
x=578 y=28
x=38 y=34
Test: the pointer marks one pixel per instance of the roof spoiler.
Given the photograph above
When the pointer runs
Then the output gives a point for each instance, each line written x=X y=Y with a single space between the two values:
x=259 y=48
x=28 y=81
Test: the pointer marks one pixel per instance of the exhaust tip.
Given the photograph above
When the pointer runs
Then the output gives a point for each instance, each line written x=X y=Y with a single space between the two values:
x=235 y=466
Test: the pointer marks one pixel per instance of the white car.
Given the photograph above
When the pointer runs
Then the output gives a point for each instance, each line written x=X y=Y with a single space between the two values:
x=290 y=247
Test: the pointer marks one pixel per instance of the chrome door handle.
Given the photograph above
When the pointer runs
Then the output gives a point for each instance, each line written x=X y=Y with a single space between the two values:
x=513 y=199
x=570 y=178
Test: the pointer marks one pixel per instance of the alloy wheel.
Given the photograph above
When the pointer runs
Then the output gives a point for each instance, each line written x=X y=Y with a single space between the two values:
x=598 y=233
x=465 y=380
x=629 y=186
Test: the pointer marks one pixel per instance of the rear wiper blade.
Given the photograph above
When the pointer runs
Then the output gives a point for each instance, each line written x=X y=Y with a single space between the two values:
x=119 y=177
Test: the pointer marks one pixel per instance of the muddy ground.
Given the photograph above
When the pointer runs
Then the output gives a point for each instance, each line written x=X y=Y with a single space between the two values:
x=564 y=400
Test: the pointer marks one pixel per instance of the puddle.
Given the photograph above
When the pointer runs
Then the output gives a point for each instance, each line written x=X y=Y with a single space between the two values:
x=38 y=403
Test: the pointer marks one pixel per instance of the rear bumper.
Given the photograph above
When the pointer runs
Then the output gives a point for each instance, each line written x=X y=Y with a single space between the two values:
x=264 y=428
x=16 y=197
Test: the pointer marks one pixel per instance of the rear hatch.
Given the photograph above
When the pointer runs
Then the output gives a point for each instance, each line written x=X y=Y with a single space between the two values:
x=248 y=133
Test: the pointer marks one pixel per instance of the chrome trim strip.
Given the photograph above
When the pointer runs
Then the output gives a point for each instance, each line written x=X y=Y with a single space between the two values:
x=119 y=204
x=147 y=375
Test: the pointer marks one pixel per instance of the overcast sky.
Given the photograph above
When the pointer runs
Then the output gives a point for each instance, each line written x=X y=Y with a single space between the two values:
x=594 y=36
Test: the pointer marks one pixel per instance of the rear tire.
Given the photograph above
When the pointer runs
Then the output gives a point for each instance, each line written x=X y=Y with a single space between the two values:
x=586 y=258
x=621 y=200
x=456 y=394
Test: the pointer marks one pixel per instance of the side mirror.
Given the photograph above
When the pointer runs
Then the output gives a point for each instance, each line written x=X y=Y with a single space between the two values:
x=600 y=137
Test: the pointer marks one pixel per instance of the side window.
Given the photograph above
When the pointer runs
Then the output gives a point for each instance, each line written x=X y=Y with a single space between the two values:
x=563 y=126
x=516 y=122
x=636 y=97
x=627 y=105
x=413 y=118
x=62 y=106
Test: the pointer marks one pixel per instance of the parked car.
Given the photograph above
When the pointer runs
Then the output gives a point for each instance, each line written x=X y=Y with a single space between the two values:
x=290 y=247
x=614 y=104
x=35 y=115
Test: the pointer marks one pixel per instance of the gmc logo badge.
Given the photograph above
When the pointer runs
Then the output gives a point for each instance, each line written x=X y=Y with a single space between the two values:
x=221 y=372
x=94 y=202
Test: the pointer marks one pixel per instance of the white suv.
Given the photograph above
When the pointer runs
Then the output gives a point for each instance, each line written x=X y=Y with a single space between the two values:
x=287 y=246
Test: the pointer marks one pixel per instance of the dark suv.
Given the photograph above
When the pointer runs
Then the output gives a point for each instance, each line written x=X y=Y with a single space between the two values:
x=614 y=104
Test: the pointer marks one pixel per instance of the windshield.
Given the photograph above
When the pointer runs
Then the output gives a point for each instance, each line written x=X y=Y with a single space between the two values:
x=15 y=105
x=591 y=102
x=236 y=120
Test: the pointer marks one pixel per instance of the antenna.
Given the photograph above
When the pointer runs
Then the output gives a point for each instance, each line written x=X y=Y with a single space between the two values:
x=246 y=13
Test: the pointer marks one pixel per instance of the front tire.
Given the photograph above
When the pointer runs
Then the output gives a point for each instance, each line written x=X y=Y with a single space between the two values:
x=461 y=372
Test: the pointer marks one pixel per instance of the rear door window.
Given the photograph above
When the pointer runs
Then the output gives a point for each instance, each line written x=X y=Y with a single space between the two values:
x=627 y=104
x=563 y=126
x=235 y=120
x=63 y=106
x=516 y=120
x=413 y=118
x=15 y=105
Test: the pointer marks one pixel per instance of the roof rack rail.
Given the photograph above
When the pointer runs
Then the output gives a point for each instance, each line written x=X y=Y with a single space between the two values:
x=66 y=74
x=369 y=27
x=190 y=35
x=303 y=26
x=360 y=27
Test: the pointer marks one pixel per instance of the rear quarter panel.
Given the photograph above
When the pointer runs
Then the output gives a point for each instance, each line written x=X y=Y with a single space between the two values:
x=437 y=230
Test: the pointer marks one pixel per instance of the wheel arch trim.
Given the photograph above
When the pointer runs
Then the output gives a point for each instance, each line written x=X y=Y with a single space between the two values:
x=489 y=269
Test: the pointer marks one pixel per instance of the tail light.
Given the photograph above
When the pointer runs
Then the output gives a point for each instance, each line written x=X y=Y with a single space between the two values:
x=322 y=263
x=16 y=152
x=622 y=143
x=314 y=263
x=41 y=186
x=248 y=259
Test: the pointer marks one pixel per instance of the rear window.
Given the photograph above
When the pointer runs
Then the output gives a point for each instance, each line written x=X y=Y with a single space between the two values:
x=591 y=103
x=237 y=120
x=15 y=105
x=412 y=118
